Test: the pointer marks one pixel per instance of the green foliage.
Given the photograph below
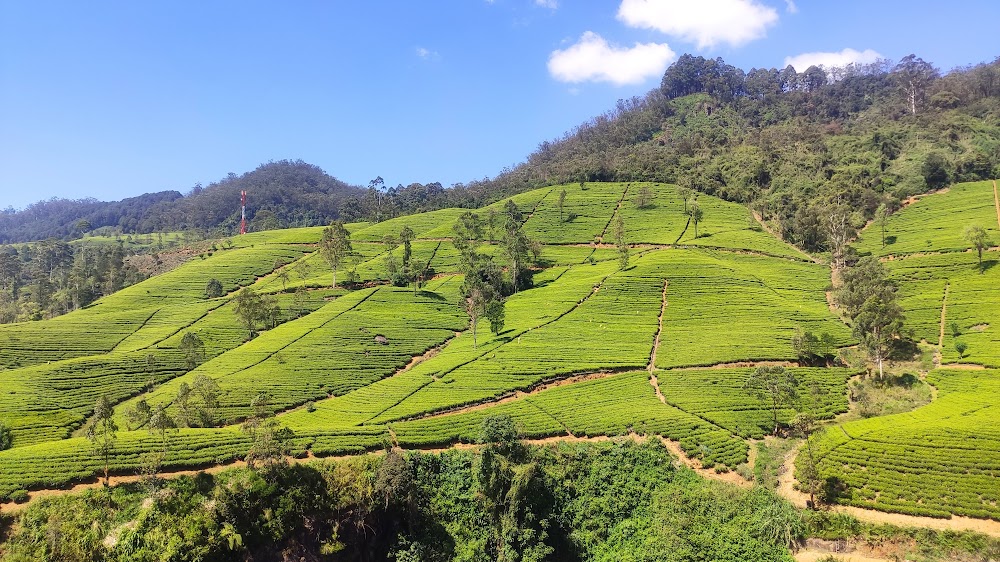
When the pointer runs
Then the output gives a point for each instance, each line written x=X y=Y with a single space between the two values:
x=935 y=223
x=213 y=289
x=102 y=432
x=335 y=246
x=774 y=385
x=602 y=501
x=6 y=437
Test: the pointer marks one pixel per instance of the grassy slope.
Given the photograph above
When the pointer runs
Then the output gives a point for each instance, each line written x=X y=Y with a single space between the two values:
x=736 y=304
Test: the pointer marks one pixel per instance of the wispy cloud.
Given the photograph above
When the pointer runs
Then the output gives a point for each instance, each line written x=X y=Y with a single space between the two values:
x=550 y=4
x=593 y=59
x=790 y=7
x=828 y=60
x=427 y=54
x=706 y=23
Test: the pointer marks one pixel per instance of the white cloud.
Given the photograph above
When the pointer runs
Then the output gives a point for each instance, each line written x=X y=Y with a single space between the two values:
x=426 y=53
x=828 y=60
x=550 y=4
x=592 y=59
x=790 y=7
x=703 y=22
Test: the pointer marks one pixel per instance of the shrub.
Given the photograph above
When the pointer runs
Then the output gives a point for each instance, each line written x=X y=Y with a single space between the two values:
x=6 y=437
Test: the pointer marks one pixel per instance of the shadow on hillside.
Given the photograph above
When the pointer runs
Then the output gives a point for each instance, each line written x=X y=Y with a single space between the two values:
x=988 y=265
x=431 y=295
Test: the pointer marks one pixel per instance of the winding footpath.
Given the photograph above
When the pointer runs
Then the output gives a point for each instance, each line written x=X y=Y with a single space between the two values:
x=996 y=201
x=786 y=489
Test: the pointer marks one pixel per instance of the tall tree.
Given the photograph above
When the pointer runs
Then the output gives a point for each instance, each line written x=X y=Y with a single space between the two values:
x=839 y=231
x=773 y=384
x=868 y=296
x=697 y=214
x=561 y=201
x=516 y=247
x=268 y=438
x=193 y=349
x=406 y=236
x=980 y=240
x=335 y=246
x=508 y=485
x=254 y=310
x=882 y=220
x=623 y=249
x=644 y=198
x=103 y=434
x=914 y=76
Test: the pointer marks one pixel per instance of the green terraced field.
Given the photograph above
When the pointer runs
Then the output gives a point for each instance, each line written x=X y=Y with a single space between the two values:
x=935 y=223
x=756 y=301
x=734 y=294
x=611 y=406
x=940 y=459
x=716 y=395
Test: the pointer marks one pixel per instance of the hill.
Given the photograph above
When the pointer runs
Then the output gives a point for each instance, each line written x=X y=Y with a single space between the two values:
x=284 y=194
x=662 y=347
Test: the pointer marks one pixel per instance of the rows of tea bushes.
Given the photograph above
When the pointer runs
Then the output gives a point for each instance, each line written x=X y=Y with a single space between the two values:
x=621 y=314
x=616 y=405
x=936 y=223
x=48 y=401
x=587 y=210
x=349 y=343
x=45 y=402
x=718 y=395
x=726 y=308
x=940 y=459
x=969 y=316
x=77 y=334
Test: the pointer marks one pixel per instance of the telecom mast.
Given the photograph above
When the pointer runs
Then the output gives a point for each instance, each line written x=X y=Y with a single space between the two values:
x=243 y=212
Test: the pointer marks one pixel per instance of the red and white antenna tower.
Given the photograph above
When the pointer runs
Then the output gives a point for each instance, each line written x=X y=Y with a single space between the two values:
x=243 y=212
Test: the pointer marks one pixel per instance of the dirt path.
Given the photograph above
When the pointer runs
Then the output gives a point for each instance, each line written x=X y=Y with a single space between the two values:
x=600 y=239
x=996 y=201
x=786 y=489
x=743 y=365
x=816 y=554
x=659 y=329
x=517 y=395
x=92 y=484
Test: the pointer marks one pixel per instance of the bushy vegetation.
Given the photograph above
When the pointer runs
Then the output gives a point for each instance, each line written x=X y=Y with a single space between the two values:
x=572 y=502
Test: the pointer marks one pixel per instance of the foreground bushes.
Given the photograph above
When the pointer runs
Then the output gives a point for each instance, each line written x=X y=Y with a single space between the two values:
x=602 y=501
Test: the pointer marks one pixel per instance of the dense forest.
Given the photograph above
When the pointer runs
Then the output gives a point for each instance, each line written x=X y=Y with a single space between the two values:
x=48 y=278
x=801 y=149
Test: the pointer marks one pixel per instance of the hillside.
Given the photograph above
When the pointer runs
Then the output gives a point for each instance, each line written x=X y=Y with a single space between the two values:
x=661 y=347
x=284 y=194
x=793 y=146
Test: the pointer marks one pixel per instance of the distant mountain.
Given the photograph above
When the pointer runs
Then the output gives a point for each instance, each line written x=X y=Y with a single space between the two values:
x=282 y=194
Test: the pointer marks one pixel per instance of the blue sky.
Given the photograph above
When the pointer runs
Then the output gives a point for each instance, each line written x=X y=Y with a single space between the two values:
x=113 y=99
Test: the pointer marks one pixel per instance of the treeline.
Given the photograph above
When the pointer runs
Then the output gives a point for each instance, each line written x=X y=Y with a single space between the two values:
x=795 y=147
x=282 y=194
x=49 y=278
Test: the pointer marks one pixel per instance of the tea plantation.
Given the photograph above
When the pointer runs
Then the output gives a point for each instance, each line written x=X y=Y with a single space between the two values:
x=661 y=347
